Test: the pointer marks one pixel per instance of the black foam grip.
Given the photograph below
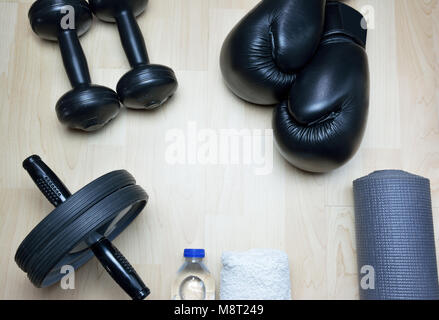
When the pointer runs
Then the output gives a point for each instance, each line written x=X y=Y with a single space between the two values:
x=120 y=269
x=46 y=180
x=395 y=237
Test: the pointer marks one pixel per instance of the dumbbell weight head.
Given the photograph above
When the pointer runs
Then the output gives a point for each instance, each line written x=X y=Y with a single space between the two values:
x=45 y=17
x=106 y=10
x=146 y=86
x=86 y=107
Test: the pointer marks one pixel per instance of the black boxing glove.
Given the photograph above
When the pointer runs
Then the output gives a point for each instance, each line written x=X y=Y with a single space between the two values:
x=322 y=124
x=261 y=55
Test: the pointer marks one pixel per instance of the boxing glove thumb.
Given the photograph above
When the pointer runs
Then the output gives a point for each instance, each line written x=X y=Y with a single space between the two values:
x=261 y=55
x=321 y=125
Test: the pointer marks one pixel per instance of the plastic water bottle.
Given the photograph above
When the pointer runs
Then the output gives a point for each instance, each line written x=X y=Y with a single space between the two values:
x=194 y=281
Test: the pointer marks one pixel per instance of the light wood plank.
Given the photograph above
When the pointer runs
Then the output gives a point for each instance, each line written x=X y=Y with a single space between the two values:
x=218 y=207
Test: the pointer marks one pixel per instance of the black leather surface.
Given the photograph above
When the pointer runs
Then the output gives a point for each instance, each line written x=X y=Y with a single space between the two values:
x=322 y=124
x=261 y=55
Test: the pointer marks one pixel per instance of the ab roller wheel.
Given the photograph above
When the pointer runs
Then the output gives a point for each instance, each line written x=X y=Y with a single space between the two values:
x=82 y=225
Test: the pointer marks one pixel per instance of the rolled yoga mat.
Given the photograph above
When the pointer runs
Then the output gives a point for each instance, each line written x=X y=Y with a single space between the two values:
x=395 y=237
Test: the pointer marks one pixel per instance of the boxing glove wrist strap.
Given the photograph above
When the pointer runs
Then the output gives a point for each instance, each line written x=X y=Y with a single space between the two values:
x=344 y=20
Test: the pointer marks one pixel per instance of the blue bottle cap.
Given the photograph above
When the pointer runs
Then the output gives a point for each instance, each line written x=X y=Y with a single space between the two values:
x=194 y=253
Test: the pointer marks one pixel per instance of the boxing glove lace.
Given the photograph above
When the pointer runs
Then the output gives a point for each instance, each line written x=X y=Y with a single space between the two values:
x=321 y=125
x=261 y=55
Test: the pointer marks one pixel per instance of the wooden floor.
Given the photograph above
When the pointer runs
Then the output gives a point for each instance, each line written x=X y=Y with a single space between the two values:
x=216 y=207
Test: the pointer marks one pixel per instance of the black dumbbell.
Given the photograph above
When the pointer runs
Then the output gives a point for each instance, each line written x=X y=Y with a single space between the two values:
x=86 y=107
x=82 y=225
x=146 y=86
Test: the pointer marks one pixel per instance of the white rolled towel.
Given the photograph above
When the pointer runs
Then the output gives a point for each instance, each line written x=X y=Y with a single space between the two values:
x=257 y=274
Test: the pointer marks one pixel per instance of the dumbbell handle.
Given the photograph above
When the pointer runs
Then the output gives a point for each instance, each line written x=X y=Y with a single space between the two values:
x=132 y=39
x=73 y=57
x=113 y=261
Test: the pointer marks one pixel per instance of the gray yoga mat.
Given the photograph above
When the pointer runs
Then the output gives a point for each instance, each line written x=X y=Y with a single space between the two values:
x=395 y=237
